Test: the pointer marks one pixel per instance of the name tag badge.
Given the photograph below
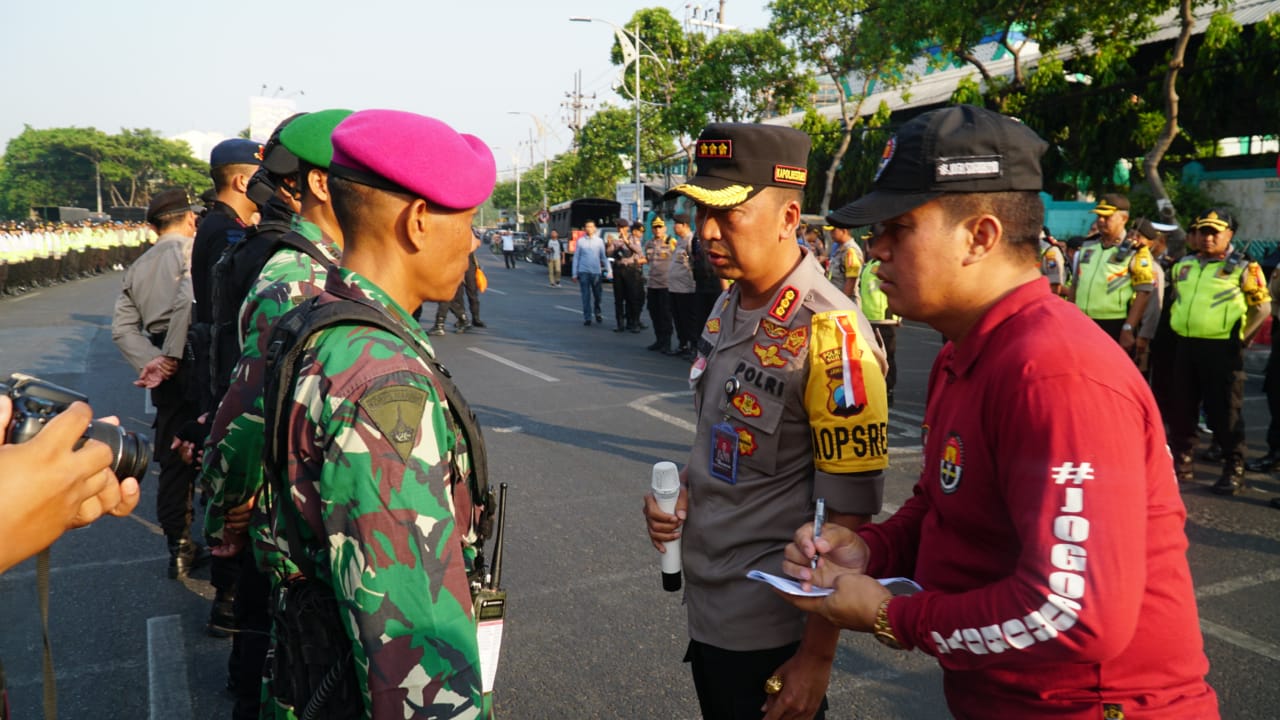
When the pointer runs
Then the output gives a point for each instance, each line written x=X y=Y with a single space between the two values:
x=724 y=453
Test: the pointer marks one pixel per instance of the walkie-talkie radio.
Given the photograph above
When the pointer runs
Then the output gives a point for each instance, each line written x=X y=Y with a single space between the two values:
x=490 y=602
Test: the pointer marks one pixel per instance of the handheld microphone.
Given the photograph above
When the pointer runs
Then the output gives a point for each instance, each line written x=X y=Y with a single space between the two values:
x=666 y=489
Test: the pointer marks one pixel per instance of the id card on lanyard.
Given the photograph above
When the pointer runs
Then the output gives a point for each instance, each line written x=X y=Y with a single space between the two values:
x=723 y=464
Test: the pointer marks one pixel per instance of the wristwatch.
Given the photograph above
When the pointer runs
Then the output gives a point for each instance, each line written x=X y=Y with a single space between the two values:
x=1127 y=327
x=881 y=628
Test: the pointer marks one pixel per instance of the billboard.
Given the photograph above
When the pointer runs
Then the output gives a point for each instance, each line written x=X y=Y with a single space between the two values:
x=265 y=113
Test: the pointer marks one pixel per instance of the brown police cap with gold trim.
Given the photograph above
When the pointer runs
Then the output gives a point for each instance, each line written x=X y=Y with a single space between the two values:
x=1110 y=204
x=735 y=161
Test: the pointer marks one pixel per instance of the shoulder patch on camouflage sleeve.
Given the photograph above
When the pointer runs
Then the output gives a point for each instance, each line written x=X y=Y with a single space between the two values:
x=397 y=412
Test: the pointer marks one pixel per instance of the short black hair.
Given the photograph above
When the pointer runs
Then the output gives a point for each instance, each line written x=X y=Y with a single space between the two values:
x=1021 y=213
x=223 y=173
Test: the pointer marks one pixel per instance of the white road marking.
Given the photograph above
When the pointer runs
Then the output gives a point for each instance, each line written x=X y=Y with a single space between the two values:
x=642 y=404
x=167 y=669
x=1243 y=582
x=512 y=429
x=495 y=291
x=21 y=298
x=1239 y=639
x=514 y=365
x=572 y=310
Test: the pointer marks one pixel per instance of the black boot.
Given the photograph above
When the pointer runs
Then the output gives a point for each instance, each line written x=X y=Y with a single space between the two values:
x=1267 y=463
x=437 y=329
x=1232 y=480
x=185 y=556
x=475 y=322
x=222 y=616
x=1213 y=454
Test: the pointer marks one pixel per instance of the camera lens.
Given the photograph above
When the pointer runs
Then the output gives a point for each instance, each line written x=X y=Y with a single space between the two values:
x=131 y=451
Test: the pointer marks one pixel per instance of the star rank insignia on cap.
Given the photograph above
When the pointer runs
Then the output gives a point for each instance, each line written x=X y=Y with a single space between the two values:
x=715 y=149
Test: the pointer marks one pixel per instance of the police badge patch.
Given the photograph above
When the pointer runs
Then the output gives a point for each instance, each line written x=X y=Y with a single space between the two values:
x=886 y=156
x=951 y=466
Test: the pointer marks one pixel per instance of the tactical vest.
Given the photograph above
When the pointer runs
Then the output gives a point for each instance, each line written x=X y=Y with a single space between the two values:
x=1210 y=303
x=875 y=304
x=1104 y=290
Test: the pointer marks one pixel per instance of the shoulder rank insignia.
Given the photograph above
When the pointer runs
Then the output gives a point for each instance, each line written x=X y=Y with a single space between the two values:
x=784 y=306
x=713 y=325
x=397 y=411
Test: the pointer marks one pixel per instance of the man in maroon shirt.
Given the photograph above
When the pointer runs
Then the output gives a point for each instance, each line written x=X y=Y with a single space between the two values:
x=1050 y=546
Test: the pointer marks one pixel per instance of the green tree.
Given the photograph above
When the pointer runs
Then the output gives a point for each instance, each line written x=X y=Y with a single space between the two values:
x=827 y=36
x=952 y=32
x=83 y=166
x=739 y=77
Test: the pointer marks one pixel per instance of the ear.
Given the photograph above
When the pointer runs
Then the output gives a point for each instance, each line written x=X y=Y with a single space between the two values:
x=415 y=221
x=986 y=234
x=790 y=220
x=240 y=182
x=318 y=184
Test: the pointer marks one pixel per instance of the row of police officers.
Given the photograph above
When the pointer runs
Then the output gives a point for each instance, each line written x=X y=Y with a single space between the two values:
x=1187 y=321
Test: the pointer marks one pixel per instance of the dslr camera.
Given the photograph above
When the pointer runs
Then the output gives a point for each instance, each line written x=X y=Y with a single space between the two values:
x=36 y=402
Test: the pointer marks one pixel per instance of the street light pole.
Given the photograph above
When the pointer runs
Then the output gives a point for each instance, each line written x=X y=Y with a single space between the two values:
x=542 y=137
x=639 y=192
x=621 y=33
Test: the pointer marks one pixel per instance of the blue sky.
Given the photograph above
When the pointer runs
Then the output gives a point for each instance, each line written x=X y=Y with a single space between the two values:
x=182 y=66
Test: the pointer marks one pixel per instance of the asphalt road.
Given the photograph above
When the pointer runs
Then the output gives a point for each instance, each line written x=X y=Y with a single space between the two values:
x=574 y=418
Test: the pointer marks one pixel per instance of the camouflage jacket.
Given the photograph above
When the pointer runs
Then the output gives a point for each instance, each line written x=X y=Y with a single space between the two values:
x=232 y=470
x=371 y=456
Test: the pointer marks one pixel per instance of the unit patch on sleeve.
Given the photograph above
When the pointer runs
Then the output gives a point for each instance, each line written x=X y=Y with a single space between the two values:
x=713 y=325
x=397 y=412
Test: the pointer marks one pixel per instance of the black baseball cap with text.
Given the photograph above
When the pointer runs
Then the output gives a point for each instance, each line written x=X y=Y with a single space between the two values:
x=735 y=161
x=957 y=149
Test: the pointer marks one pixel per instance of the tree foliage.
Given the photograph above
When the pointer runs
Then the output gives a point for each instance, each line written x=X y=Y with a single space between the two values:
x=828 y=37
x=739 y=77
x=62 y=167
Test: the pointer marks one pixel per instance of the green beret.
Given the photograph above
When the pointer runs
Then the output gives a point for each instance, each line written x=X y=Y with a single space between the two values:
x=309 y=137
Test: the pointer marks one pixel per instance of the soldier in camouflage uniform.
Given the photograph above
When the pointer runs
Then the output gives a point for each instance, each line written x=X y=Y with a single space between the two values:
x=232 y=473
x=373 y=451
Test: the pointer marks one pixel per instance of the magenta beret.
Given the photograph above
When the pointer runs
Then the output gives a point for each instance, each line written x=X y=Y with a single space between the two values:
x=406 y=152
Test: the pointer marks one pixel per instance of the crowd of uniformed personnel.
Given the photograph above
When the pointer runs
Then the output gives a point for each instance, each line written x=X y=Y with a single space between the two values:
x=38 y=254
x=1184 y=303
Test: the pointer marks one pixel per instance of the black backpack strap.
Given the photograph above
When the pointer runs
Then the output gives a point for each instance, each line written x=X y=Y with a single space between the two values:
x=289 y=340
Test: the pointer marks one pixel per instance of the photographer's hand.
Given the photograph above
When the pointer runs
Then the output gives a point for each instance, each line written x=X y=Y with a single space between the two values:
x=47 y=487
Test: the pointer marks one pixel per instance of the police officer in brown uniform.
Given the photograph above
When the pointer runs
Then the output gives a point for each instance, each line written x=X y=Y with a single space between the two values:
x=790 y=396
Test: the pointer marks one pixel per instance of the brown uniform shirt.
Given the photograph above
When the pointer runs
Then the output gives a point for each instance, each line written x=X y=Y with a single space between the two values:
x=798 y=439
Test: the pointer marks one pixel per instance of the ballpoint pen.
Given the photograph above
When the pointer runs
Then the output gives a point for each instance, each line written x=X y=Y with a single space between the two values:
x=819 y=517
